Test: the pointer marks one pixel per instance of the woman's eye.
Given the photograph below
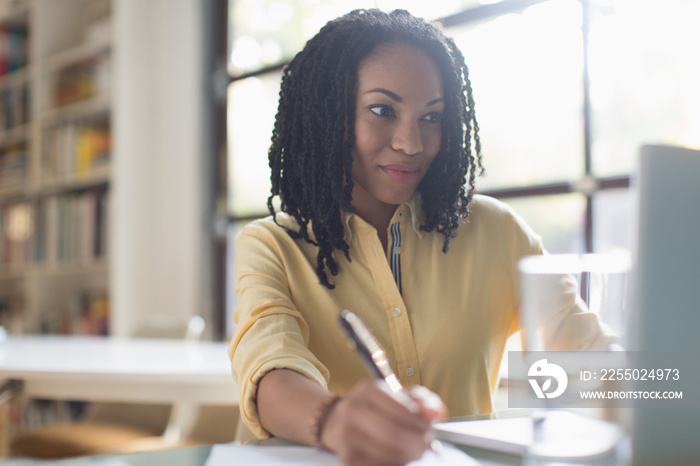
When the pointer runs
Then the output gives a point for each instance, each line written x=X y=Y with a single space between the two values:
x=433 y=117
x=382 y=110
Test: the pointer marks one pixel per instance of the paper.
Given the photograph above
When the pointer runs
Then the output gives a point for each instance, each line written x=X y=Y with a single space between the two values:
x=228 y=454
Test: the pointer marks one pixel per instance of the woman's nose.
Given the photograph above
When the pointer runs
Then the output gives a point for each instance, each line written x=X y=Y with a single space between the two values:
x=407 y=138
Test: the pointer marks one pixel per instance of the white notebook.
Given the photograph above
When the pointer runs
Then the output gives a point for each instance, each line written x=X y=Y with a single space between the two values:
x=577 y=436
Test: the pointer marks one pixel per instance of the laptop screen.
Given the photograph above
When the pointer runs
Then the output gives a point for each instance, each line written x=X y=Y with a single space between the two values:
x=667 y=293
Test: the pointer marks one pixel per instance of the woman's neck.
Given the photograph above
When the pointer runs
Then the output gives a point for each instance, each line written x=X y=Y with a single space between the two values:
x=379 y=217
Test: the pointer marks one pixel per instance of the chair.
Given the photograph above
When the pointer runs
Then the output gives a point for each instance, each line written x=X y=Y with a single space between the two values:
x=119 y=427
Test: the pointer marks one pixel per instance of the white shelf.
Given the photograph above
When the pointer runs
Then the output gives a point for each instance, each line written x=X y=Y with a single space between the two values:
x=76 y=181
x=26 y=271
x=98 y=266
x=53 y=185
x=77 y=54
x=18 y=133
x=79 y=109
x=14 y=78
x=13 y=189
x=13 y=272
x=14 y=11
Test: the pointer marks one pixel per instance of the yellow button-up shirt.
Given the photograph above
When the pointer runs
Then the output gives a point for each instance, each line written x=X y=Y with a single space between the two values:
x=442 y=317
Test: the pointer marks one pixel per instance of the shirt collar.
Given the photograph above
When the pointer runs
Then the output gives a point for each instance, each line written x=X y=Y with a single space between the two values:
x=413 y=208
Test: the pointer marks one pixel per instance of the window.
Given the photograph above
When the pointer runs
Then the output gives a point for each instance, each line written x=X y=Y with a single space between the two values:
x=527 y=87
x=566 y=91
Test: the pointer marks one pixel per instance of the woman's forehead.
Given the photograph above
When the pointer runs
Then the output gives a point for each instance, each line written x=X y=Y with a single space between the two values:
x=402 y=69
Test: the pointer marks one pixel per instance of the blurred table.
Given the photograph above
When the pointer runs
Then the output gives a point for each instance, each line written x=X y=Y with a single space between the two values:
x=119 y=369
x=109 y=369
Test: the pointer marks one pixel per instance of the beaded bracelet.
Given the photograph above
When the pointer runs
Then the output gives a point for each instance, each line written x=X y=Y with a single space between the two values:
x=318 y=422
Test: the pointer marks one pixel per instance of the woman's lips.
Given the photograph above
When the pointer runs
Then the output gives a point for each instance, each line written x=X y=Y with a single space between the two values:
x=402 y=173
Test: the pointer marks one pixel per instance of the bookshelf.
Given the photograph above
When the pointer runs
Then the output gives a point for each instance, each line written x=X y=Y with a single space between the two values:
x=55 y=151
x=103 y=192
x=104 y=218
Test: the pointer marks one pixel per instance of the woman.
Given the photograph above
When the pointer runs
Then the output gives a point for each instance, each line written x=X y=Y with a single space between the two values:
x=374 y=155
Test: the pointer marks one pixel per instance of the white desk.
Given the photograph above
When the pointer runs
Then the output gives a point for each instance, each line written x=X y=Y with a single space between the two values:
x=115 y=369
x=106 y=369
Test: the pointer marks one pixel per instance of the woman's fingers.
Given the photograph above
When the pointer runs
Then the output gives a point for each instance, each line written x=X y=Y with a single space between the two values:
x=371 y=427
x=431 y=405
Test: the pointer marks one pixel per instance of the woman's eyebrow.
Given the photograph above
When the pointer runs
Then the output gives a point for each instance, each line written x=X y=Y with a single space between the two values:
x=394 y=96
x=391 y=95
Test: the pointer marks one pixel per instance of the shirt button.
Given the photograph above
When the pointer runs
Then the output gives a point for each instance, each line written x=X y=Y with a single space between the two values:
x=409 y=371
x=397 y=311
x=397 y=250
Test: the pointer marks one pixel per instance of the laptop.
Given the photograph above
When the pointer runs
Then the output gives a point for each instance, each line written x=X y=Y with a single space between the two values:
x=667 y=294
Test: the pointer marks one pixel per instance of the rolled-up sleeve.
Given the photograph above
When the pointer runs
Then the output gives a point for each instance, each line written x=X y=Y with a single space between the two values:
x=270 y=332
x=567 y=323
x=571 y=326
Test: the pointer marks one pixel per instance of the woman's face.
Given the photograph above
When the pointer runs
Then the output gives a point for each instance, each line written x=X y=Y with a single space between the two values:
x=397 y=125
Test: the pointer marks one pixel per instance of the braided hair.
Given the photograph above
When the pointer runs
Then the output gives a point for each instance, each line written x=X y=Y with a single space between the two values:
x=310 y=155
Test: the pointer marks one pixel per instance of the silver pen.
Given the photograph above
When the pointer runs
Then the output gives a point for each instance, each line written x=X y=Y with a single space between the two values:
x=375 y=358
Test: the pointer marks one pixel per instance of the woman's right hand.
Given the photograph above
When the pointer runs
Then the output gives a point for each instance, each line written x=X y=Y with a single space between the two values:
x=369 y=426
